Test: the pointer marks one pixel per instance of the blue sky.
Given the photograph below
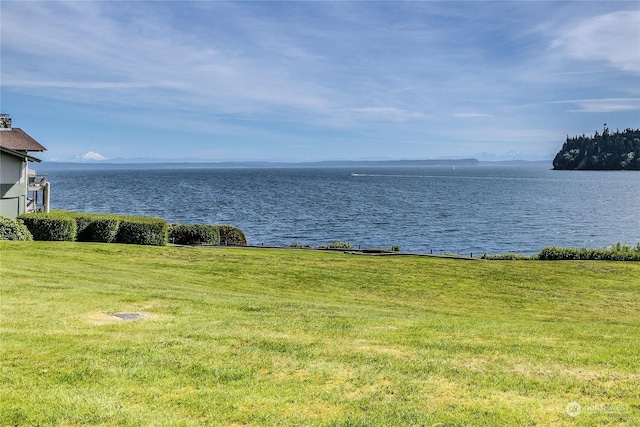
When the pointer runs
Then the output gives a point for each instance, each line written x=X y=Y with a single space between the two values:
x=301 y=81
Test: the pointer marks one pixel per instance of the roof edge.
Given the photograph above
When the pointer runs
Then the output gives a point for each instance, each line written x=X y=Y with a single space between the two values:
x=21 y=154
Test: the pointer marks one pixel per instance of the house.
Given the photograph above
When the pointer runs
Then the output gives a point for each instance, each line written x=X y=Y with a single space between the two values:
x=21 y=189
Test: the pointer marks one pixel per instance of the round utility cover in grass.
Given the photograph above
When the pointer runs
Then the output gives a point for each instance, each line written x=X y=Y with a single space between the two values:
x=129 y=316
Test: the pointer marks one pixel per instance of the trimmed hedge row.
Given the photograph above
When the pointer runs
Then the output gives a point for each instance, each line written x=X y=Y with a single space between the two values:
x=231 y=235
x=50 y=227
x=83 y=227
x=97 y=228
x=194 y=234
x=203 y=234
x=142 y=231
x=551 y=253
x=509 y=257
x=88 y=227
x=13 y=230
x=617 y=252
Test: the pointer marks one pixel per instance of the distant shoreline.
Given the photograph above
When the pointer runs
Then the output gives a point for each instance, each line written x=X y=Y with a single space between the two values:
x=106 y=165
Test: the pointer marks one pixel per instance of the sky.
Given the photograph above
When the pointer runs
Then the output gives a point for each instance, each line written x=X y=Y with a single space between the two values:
x=317 y=80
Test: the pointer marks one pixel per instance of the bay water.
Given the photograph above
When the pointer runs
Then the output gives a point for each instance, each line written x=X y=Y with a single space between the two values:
x=439 y=209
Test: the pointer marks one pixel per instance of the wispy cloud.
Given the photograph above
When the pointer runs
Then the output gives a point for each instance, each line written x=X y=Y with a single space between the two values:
x=609 y=105
x=251 y=73
x=471 y=115
x=384 y=113
x=73 y=84
x=97 y=51
x=612 y=37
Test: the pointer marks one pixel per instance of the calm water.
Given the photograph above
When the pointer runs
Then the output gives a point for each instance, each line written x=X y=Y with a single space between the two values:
x=475 y=209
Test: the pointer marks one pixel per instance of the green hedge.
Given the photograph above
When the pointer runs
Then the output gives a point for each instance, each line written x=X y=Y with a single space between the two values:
x=231 y=235
x=142 y=231
x=97 y=228
x=56 y=226
x=13 y=230
x=85 y=227
x=194 y=234
x=509 y=257
x=615 y=254
x=89 y=227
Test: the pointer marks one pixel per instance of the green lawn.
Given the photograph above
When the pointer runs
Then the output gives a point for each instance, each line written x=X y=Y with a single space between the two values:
x=279 y=337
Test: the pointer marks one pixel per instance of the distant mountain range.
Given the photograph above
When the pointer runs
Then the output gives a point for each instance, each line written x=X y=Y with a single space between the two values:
x=103 y=165
x=253 y=164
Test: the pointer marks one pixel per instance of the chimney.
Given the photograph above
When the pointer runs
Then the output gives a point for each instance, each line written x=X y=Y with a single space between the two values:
x=5 y=122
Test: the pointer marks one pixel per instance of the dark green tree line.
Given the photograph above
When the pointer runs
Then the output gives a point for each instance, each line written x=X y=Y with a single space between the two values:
x=606 y=151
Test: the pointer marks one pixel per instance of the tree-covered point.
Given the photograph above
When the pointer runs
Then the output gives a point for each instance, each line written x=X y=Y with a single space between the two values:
x=606 y=151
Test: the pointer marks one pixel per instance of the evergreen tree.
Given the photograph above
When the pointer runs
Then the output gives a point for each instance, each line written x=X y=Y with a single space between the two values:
x=609 y=151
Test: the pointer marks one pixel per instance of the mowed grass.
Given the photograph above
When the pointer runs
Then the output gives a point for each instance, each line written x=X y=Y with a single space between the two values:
x=238 y=336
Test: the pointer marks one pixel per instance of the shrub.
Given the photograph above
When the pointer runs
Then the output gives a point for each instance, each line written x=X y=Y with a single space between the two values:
x=621 y=247
x=194 y=234
x=97 y=228
x=82 y=223
x=88 y=227
x=509 y=257
x=13 y=230
x=297 y=245
x=337 y=245
x=231 y=235
x=55 y=226
x=619 y=253
x=140 y=230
